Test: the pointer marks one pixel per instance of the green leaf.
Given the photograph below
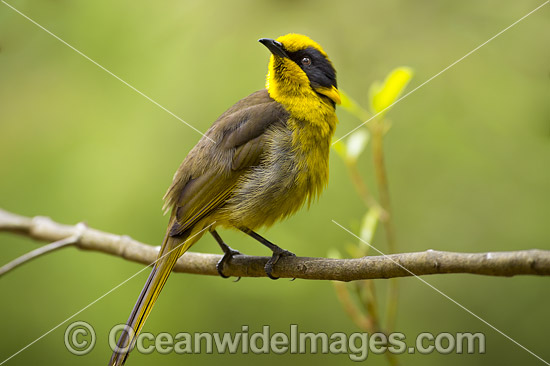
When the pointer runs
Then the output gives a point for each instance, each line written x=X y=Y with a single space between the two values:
x=340 y=149
x=356 y=144
x=368 y=226
x=383 y=95
x=350 y=150
x=352 y=107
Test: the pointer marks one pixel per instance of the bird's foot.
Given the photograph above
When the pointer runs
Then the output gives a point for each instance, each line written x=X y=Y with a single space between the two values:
x=277 y=254
x=227 y=256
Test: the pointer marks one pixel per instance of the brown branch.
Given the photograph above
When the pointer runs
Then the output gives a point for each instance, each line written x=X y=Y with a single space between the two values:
x=525 y=262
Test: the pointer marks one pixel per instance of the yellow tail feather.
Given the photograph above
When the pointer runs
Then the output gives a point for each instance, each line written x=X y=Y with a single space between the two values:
x=172 y=248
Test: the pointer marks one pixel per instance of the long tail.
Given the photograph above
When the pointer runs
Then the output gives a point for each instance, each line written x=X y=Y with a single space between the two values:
x=172 y=248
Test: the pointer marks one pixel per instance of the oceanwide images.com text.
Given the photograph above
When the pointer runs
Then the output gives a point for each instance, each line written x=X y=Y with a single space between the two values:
x=80 y=338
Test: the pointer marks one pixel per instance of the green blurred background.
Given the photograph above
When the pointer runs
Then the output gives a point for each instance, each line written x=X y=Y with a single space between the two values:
x=468 y=159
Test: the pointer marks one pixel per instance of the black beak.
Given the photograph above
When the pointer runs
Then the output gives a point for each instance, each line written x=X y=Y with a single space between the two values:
x=275 y=47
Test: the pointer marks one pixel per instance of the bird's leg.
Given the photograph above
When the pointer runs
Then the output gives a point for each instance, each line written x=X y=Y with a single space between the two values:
x=228 y=253
x=278 y=252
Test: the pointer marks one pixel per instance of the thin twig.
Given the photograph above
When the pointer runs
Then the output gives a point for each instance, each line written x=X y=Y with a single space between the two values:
x=363 y=191
x=72 y=240
x=364 y=322
x=37 y=253
x=377 y=130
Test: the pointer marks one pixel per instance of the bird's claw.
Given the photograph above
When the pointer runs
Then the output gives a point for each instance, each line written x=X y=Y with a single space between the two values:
x=277 y=254
x=227 y=256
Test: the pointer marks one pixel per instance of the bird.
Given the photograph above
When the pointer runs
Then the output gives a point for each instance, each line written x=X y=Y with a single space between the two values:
x=259 y=162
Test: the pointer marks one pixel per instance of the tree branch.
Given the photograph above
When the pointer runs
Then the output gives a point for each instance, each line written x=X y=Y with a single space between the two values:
x=524 y=262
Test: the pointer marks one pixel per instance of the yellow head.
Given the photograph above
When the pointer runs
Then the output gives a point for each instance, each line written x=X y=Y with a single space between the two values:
x=299 y=68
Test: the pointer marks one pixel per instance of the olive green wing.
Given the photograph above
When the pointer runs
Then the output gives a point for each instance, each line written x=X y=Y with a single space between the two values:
x=208 y=175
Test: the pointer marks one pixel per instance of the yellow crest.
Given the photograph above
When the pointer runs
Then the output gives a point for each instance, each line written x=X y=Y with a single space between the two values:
x=294 y=42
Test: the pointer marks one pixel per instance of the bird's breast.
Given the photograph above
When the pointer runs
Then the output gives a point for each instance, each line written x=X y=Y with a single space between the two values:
x=290 y=173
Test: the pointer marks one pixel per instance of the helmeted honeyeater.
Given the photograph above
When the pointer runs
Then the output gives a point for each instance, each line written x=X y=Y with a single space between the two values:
x=259 y=162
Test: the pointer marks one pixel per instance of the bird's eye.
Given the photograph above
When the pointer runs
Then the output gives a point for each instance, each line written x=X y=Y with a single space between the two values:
x=306 y=61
